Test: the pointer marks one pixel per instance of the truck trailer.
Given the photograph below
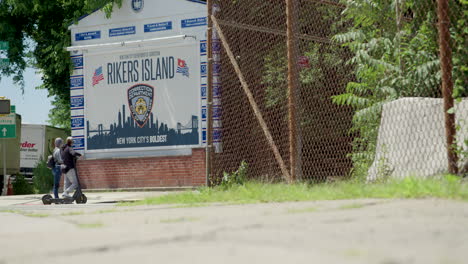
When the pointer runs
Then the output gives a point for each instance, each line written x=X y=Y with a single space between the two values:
x=37 y=142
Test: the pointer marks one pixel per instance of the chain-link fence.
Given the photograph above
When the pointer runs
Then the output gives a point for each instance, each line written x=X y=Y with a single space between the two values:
x=325 y=89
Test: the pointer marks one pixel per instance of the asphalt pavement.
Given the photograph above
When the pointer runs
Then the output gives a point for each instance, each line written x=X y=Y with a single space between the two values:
x=348 y=231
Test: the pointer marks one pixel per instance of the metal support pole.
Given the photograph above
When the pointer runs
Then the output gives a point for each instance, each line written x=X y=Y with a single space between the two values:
x=209 y=105
x=293 y=81
x=4 y=156
x=447 y=82
x=5 y=178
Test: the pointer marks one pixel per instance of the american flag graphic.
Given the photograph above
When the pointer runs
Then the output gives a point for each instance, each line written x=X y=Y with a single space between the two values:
x=98 y=76
x=182 y=67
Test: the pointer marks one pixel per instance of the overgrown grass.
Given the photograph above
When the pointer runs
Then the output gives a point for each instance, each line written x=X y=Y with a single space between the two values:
x=447 y=187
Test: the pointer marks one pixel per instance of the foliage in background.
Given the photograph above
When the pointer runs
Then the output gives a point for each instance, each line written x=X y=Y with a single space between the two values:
x=43 y=178
x=21 y=186
x=396 y=55
x=324 y=61
x=322 y=74
x=239 y=177
x=45 y=24
x=459 y=34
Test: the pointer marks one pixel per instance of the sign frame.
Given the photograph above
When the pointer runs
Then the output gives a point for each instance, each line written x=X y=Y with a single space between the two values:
x=197 y=100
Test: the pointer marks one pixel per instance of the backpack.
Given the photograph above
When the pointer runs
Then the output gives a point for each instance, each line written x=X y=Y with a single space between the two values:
x=50 y=162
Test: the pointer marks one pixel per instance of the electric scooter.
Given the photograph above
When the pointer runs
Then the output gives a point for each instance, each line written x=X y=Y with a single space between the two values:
x=79 y=197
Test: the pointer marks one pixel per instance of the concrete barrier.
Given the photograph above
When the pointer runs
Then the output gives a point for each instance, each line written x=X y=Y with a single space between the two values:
x=411 y=139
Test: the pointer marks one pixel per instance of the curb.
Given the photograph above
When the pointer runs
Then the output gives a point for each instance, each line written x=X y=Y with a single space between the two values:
x=143 y=189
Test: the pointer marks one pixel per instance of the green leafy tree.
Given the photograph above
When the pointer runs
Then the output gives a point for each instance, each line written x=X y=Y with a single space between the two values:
x=396 y=55
x=45 y=23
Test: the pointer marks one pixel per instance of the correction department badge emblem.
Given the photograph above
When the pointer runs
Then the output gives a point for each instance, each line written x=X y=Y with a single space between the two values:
x=140 y=102
x=137 y=5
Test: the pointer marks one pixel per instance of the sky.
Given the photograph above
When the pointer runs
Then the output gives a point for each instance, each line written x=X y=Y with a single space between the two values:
x=33 y=105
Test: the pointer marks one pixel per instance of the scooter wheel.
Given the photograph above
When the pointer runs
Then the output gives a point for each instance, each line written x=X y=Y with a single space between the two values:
x=82 y=199
x=47 y=199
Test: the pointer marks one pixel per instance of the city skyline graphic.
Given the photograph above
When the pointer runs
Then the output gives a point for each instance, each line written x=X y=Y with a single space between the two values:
x=125 y=133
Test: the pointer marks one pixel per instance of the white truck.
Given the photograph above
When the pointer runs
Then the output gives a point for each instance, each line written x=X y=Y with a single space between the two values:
x=37 y=142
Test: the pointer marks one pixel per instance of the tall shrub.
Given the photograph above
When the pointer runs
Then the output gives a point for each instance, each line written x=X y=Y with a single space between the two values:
x=395 y=55
x=21 y=186
x=43 y=177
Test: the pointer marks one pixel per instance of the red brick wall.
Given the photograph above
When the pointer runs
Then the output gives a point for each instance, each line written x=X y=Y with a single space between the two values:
x=144 y=172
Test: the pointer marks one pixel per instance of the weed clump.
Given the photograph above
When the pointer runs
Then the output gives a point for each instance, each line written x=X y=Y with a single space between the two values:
x=239 y=177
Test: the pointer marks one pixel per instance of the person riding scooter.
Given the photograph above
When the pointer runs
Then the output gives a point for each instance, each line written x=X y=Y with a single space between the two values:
x=68 y=168
x=56 y=170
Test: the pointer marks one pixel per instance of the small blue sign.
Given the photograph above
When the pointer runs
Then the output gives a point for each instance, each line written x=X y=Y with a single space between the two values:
x=217 y=135
x=217 y=112
x=76 y=82
x=203 y=49
x=116 y=32
x=204 y=113
x=88 y=35
x=204 y=135
x=216 y=46
x=216 y=68
x=203 y=68
x=216 y=90
x=78 y=143
x=77 y=62
x=77 y=122
x=194 y=22
x=77 y=102
x=203 y=91
x=158 y=26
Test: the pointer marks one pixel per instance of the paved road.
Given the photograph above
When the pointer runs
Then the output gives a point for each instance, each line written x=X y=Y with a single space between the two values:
x=358 y=231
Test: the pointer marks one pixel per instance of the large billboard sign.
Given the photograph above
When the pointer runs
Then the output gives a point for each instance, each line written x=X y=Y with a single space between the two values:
x=142 y=98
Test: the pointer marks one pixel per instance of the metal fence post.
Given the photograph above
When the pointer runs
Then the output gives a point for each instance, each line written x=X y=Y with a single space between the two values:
x=447 y=82
x=293 y=81
x=5 y=177
x=209 y=105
